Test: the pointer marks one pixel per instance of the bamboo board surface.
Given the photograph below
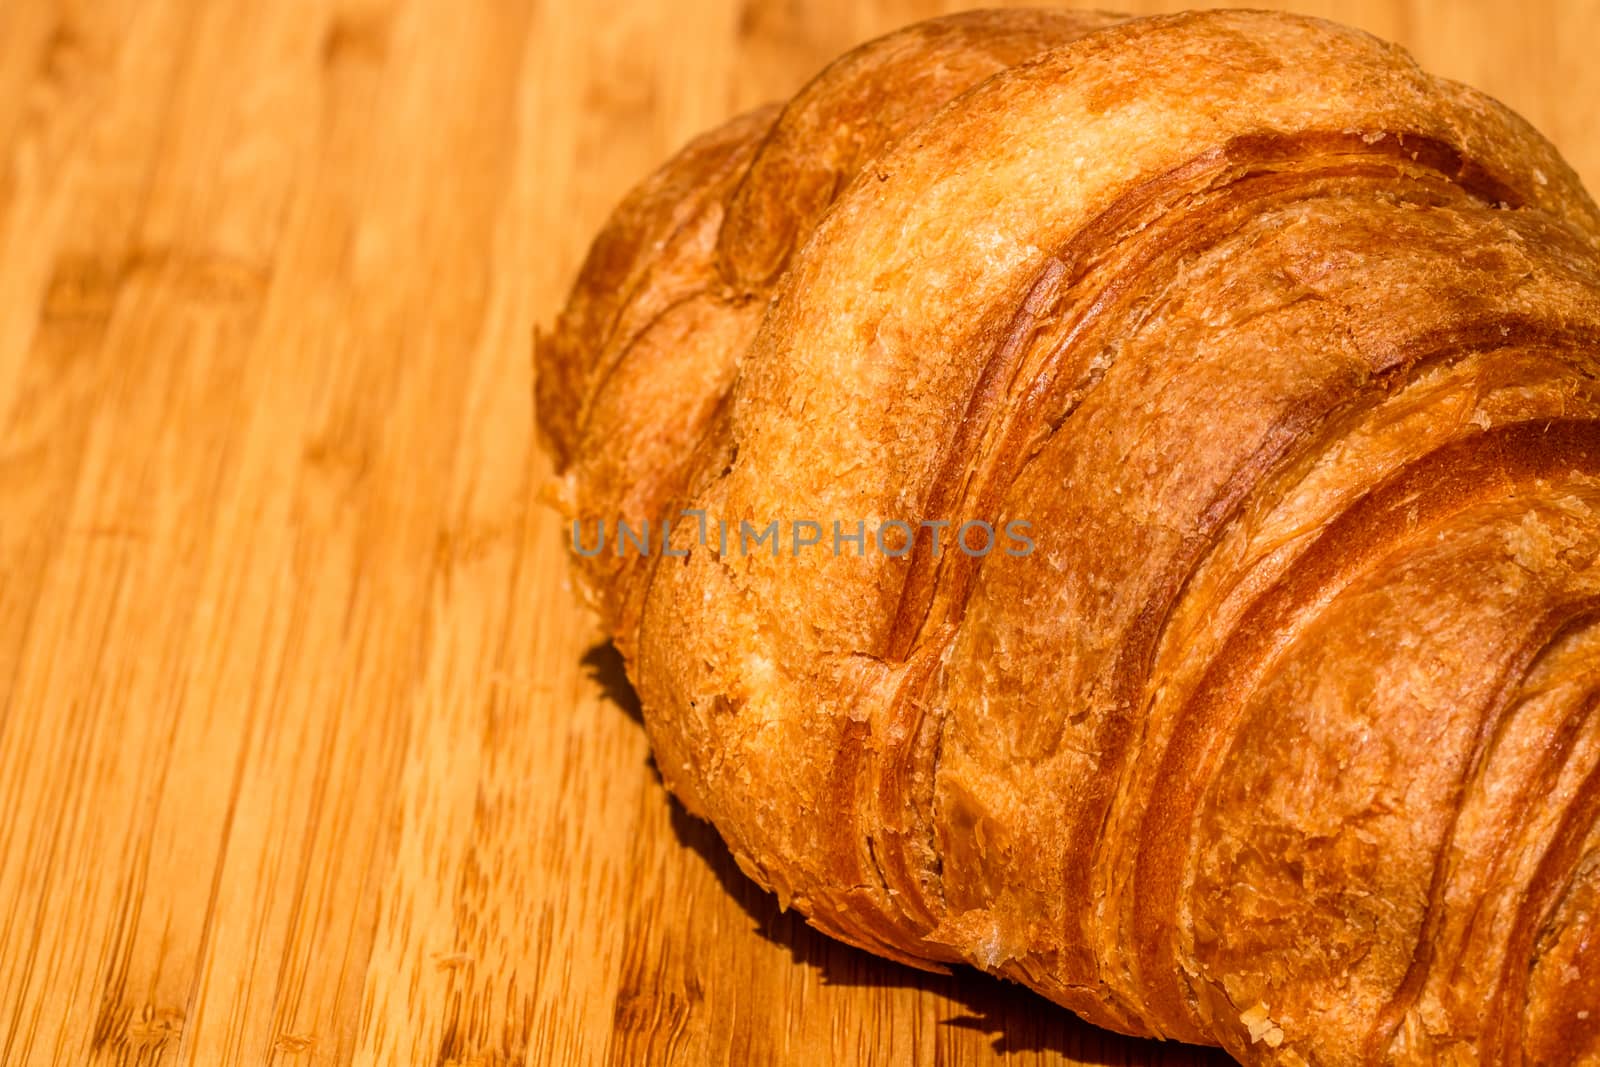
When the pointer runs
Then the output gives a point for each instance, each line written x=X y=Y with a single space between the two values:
x=305 y=754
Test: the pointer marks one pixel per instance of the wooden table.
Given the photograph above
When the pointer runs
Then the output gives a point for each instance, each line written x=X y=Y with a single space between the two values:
x=305 y=754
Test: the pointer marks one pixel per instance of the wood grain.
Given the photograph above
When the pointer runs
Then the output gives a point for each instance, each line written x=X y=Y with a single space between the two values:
x=305 y=753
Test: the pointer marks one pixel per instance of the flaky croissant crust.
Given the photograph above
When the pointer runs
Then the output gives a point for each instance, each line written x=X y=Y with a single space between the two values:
x=1282 y=738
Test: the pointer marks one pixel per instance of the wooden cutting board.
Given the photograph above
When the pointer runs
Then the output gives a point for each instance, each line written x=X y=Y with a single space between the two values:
x=305 y=754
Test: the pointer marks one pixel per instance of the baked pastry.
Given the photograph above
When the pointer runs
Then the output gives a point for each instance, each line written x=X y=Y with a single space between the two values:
x=1265 y=716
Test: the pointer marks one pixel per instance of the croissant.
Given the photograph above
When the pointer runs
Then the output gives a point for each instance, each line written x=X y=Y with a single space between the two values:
x=1116 y=503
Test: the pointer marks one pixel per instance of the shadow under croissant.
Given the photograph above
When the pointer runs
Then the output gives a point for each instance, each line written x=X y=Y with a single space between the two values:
x=1018 y=1020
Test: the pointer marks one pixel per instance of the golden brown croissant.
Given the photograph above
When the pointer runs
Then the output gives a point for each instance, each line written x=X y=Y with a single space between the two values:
x=1183 y=440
